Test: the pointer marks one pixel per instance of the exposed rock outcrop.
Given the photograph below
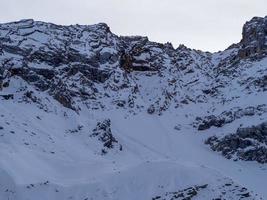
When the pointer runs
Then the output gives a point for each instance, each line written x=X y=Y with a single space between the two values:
x=249 y=144
x=254 y=42
x=228 y=116
x=104 y=134
x=227 y=189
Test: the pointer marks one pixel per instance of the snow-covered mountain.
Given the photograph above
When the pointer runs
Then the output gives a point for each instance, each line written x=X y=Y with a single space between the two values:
x=88 y=115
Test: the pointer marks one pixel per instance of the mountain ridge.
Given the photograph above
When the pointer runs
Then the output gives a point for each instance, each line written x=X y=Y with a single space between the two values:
x=86 y=114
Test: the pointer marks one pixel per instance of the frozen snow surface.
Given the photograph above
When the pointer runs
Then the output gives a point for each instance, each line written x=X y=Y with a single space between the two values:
x=88 y=115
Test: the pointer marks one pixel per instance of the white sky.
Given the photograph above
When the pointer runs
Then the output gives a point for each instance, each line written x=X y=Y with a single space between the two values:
x=201 y=24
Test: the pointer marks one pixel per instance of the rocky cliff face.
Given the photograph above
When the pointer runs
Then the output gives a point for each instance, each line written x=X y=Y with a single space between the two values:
x=72 y=63
x=254 y=40
x=99 y=114
x=50 y=57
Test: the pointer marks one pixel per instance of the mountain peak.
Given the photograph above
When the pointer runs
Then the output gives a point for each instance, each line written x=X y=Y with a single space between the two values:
x=254 y=37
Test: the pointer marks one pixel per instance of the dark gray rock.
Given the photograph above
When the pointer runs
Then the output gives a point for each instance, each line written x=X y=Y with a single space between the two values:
x=226 y=189
x=104 y=134
x=7 y=96
x=210 y=121
x=253 y=42
x=228 y=116
x=247 y=144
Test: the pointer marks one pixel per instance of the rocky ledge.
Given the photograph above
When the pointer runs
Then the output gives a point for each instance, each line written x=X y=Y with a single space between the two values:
x=228 y=116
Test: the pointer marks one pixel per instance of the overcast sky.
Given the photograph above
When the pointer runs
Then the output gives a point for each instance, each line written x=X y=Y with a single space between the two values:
x=201 y=24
